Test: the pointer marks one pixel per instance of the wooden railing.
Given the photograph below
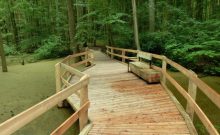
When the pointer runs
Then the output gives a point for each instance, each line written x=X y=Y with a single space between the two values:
x=190 y=96
x=64 y=89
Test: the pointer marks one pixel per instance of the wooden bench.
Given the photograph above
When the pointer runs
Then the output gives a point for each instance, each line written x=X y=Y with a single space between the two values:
x=142 y=68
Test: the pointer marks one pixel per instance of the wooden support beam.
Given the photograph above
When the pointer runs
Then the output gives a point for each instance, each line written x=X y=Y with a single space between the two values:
x=192 y=90
x=20 y=120
x=65 y=82
x=70 y=121
x=186 y=117
x=87 y=56
x=204 y=119
x=83 y=116
x=72 y=70
x=112 y=51
x=207 y=90
x=164 y=68
x=58 y=81
x=125 y=57
x=123 y=54
x=81 y=62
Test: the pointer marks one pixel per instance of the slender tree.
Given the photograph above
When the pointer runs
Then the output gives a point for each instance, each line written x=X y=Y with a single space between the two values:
x=135 y=25
x=151 y=16
x=72 y=26
x=4 y=65
x=13 y=23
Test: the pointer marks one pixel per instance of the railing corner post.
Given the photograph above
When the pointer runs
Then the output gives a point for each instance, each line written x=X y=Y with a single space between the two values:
x=164 y=70
x=83 y=116
x=112 y=51
x=123 y=54
x=192 y=90
x=58 y=81
x=87 y=56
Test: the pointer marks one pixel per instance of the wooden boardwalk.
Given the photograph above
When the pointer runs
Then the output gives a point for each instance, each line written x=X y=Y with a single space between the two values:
x=123 y=104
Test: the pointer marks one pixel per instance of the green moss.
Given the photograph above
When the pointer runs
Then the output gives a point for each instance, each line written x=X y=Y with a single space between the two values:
x=23 y=87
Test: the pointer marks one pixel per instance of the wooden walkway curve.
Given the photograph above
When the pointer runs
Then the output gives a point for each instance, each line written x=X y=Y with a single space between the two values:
x=111 y=101
x=123 y=104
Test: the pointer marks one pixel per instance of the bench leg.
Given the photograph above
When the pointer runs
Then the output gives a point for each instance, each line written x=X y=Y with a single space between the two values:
x=128 y=68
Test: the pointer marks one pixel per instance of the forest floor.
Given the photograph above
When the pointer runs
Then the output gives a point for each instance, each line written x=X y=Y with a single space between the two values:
x=24 y=86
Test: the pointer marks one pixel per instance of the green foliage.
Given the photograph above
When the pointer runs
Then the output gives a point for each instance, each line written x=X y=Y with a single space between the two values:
x=201 y=58
x=155 y=42
x=123 y=35
x=192 y=43
x=51 y=48
x=10 y=50
x=190 y=35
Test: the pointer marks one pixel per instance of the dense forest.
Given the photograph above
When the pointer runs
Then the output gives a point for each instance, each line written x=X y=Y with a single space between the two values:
x=187 y=31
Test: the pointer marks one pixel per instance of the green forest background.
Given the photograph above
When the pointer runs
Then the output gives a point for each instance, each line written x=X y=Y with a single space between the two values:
x=187 y=31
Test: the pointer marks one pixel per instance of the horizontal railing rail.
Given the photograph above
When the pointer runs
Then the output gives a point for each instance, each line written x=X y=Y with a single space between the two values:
x=194 y=82
x=70 y=121
x=64 y=89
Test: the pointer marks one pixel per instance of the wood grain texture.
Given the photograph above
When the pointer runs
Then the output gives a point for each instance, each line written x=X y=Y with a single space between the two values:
x=121 y=103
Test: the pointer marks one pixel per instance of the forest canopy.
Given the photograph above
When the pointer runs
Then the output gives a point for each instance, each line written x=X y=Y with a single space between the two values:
x=187 y=31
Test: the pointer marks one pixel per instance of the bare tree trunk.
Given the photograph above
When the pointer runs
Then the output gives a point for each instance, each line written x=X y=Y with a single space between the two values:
x=135 y=25
x=14 y=25
x=151 y=16
x=72 y=26
x=4 y=65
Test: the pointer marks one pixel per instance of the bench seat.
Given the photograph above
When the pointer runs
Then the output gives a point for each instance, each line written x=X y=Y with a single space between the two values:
x=150 y=75
x=144 y=71
x=136 y=66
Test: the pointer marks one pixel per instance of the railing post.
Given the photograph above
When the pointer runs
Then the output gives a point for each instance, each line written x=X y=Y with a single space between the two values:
x=164 y=69
x=58 y=81
x=112 y=51
x=107 y=50
x=87 y=56
x=123 y=54
x=83 y=116
x=192 y=90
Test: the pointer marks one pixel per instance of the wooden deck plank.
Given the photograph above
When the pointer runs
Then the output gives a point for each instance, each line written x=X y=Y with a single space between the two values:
x=123 y=104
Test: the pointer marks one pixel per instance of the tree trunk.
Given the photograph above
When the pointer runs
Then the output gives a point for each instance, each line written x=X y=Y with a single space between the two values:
x=4 y=65
x=57 y=16
x=135 y=25
x=79 y=9
x=14 y=25
x=151 y=16
x=72 y=26
x=110 y=35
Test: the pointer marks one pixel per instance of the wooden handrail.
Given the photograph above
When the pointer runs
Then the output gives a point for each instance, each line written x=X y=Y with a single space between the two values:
x=207 y=123
x=20 y=120
x=196 y=82
x=70 y=121
x=118 y=55
x=64 y=89
x=208 y=91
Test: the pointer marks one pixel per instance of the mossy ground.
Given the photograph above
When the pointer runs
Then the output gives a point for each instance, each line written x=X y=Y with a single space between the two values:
x=24 y=86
